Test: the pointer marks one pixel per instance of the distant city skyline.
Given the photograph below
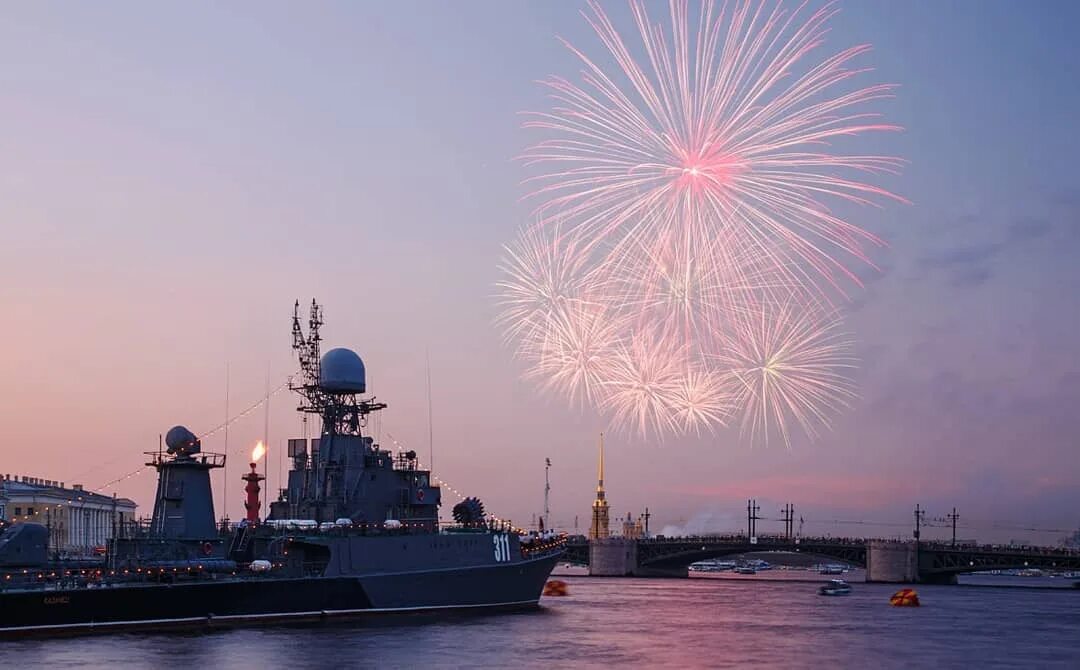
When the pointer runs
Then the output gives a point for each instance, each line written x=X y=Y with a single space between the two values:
x=173 y=178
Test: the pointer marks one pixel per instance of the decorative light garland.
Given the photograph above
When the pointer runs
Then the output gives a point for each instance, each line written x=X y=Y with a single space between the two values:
x=442 y=483
x=281 y=387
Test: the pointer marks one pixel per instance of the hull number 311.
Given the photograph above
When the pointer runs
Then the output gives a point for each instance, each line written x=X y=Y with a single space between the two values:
x=502 y=547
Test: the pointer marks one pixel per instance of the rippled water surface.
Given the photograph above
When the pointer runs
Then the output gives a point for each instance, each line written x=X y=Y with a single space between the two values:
x=638 y=623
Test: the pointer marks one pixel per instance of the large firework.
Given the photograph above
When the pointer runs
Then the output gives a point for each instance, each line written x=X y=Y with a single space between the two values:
x=685 y=260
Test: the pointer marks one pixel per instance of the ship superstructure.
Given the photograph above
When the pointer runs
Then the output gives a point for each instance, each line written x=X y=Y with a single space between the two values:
x=343 y=474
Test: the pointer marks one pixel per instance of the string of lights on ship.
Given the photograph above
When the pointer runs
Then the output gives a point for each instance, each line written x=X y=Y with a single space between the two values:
x=97 y=573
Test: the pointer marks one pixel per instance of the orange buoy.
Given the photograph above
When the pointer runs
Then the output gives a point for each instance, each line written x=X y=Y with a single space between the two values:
x=904 y=598
x=555 y=587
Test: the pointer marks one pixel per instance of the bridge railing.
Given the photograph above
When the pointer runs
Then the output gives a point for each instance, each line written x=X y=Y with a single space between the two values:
x=776 y=540
x=969 y=547
x=740 y=538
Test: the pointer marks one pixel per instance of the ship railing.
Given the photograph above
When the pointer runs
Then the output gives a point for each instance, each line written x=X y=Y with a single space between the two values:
x=460 y=528
x=487 y=526
x=133 y=529
x=544 y=546
x=293 y=527
x=212 y=459
x=406 y=461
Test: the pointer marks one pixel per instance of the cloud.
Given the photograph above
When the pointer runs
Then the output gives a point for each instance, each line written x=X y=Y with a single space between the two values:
x=1025 y=229
x=962 y=257
x=971 y=277
x=973 y=264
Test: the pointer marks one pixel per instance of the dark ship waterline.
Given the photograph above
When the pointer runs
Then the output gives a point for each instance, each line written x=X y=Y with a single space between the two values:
x=355 y=532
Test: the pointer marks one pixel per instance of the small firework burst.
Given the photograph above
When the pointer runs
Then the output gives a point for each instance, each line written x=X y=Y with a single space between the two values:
x=789 y=363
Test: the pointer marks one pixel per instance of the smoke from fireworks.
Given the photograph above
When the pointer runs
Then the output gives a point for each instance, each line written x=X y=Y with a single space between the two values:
x=684 y=259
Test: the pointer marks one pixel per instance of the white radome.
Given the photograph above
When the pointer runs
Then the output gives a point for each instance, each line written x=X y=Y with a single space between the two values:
x=342 y=371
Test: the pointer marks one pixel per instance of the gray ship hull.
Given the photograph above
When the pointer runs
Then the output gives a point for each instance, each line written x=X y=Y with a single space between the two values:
x=248 y=601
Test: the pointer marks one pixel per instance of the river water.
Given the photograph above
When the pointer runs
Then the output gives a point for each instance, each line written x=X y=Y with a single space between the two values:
x=658 y=623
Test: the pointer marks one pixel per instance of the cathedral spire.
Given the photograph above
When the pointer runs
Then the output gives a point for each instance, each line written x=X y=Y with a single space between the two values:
x=598 y=528
x=600 y=476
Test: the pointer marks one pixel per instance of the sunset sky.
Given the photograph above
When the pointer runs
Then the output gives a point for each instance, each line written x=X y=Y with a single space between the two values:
x=172 y=178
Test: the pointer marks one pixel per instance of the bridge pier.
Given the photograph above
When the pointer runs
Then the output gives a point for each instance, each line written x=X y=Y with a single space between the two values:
x=613 y=557
x=891 y=562
x=618 y=557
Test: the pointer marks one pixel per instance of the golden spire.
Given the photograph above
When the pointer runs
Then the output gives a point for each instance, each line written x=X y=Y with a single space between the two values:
x=600 y=477
x=598 y=528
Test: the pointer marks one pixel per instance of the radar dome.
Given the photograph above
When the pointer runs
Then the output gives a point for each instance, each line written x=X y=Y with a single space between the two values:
x=342 y=371
x=180 y=440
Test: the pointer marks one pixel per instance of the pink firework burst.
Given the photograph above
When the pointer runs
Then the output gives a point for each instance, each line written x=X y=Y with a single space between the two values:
x=728 y=126
x=702 y=400
x=790 y=362
x=643 y=382
x=543 y=273
x=687 y=239
x=576 y=355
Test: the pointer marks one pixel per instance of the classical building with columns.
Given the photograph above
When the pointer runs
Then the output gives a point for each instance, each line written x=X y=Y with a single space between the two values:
x=79 y=521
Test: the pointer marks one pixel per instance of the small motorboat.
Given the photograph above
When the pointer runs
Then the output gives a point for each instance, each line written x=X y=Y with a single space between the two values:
x=835 y=587
x=744 y=570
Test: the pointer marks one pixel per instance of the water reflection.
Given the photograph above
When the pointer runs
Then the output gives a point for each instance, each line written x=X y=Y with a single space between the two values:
x=635 y=623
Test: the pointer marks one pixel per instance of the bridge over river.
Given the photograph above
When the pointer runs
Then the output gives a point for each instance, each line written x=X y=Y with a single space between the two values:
x=884 y=560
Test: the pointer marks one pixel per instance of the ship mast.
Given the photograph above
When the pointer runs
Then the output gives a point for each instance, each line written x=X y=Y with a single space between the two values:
x=307 y=351
x=342 y=413
x=547 y=492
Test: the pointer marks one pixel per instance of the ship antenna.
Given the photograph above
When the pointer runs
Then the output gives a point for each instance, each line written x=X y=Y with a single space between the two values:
x=266 y=430
x=547 y=491
x=430 y=427
x=225 y=469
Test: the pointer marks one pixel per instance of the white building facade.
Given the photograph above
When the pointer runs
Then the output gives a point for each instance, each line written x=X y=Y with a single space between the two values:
x=79 y=522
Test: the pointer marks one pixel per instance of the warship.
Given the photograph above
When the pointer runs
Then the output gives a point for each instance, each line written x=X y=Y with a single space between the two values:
x=354 y=532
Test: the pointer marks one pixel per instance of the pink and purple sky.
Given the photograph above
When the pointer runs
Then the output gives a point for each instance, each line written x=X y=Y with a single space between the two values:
x=172 y=178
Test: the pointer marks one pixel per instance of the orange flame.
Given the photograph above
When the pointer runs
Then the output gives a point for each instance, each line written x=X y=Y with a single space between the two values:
x=258 y=452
